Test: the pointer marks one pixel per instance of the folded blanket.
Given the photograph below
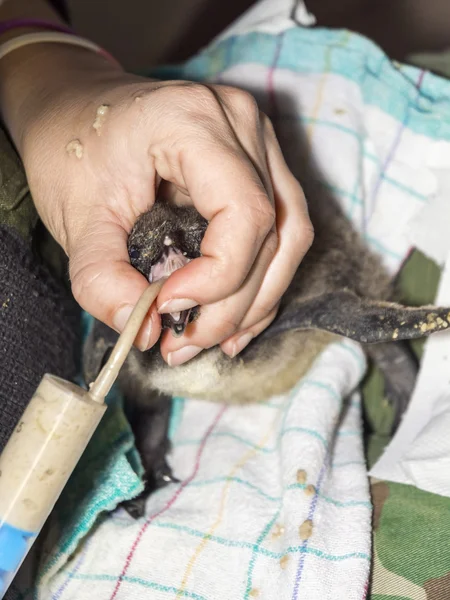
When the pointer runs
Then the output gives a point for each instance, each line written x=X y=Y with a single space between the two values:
x=273 y=500
x=272 y=497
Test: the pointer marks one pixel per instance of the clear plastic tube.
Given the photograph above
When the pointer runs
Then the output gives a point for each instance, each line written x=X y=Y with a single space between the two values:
x=47 y=444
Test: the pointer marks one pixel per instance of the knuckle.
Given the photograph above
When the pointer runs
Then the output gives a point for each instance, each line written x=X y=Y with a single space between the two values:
x=224 y=328
x=200 y=118
x=244 y=104
x=262 y=213
x=306 y=237
x=261 y=315
x=222 y=270
x=200 y=96
x=219 y=267
x=78 y=283
x=267 y=125
x=264 y=313
x=271 y=242
x=82 y=278
x=301 y=242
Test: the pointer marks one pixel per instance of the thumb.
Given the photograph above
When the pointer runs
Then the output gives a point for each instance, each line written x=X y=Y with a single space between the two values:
x=106 y=285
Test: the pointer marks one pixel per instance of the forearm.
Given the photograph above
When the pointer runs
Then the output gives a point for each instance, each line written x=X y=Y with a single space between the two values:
x=29 y=76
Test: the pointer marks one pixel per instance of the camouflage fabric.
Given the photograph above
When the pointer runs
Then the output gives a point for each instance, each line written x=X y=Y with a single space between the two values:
x=411 y=554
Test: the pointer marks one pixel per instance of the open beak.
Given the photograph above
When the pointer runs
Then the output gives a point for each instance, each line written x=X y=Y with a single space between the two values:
x=170 y=261
x=176 y=322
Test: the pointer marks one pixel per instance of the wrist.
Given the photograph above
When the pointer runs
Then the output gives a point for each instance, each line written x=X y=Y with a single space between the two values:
x=40 y=75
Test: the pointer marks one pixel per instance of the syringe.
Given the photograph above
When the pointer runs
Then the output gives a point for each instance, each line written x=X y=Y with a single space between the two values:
x=47 y=444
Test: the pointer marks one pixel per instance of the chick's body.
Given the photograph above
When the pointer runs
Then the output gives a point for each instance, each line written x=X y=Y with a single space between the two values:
x=270 y=365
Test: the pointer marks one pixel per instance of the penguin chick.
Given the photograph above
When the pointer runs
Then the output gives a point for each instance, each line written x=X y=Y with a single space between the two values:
x=339 y=290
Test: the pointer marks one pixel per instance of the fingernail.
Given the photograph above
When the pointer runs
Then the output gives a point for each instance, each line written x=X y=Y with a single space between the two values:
x=177 y=305
x=121 y=317
x=182 y=355
x=240 y=344
x=144 y=342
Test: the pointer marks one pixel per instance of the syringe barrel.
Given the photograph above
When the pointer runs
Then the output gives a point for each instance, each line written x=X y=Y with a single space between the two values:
x=35 y=465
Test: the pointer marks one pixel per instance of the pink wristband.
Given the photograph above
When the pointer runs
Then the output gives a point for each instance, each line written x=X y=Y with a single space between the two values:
x=47 y=25
x=37 y=23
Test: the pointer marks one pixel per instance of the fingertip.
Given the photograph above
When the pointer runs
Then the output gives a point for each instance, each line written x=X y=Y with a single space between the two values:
x=166 y=345
x=188 y=287
x=233 y=348
x=241 y=339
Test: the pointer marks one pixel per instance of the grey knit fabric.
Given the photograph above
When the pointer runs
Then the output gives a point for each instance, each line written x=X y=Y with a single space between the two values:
x=39 y=328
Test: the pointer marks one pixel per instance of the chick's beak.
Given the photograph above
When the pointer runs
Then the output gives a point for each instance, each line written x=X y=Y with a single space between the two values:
x=171 y=260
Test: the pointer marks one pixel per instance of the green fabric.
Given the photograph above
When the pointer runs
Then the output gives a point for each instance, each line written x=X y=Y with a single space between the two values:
x=17 y=211
x=411 y=527
x=421 y=559
x=383 y=597
x=438 y=62
x=16 y=206
x=417 y=285
x=411 y=532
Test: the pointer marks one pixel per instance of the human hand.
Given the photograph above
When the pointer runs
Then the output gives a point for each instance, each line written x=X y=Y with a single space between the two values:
x=92 y=171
